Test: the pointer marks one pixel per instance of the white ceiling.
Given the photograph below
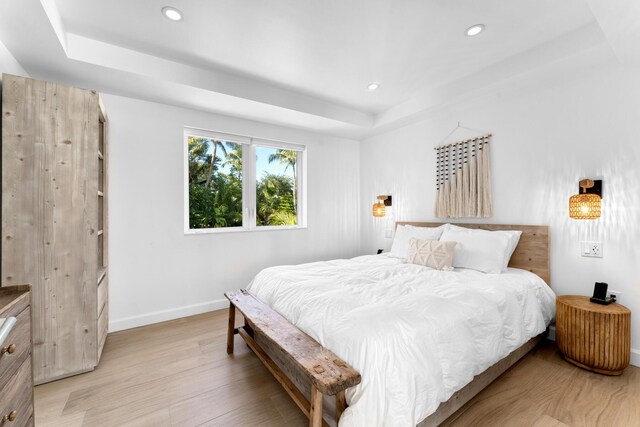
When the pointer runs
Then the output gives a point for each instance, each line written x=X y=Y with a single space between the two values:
x=332 y=48
x=303 y=63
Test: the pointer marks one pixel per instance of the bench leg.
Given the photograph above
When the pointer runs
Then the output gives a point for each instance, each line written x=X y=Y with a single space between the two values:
x=341 y=404
x=232 y=327
x=315 y=409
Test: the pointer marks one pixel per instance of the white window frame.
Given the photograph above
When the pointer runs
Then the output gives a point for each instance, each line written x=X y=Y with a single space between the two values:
x=249 y=200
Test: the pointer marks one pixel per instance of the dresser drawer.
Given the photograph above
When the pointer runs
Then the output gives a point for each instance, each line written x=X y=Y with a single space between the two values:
x=17 y=395
x=19 y=343
x=16 y=300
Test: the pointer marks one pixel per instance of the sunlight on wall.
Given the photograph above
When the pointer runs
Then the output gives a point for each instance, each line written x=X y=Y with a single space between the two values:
x=620 y=202
x=618 y=228
x=547 y=137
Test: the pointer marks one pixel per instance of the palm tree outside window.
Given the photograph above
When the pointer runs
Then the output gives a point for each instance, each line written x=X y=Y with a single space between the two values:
x=219 y=196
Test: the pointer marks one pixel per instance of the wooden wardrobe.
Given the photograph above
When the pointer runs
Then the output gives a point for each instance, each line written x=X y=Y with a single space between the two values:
x=54 y=219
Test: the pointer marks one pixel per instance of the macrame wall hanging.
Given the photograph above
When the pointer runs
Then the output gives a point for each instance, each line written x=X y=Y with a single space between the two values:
x=463 y=179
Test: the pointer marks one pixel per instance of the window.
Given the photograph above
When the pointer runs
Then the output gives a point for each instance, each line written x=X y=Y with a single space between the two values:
x=238 y=183
x=276 y=189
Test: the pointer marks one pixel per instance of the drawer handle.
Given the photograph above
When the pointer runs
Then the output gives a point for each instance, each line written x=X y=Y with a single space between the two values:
x=9 y=350
x=11 y=417
x=5 y=327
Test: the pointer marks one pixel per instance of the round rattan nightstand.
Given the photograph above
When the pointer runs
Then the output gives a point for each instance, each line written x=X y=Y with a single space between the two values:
x=593 y=336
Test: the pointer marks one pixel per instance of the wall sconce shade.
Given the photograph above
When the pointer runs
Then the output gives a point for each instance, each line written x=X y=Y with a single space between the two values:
x=380 y=207
x=379 y=210
x=587 y=204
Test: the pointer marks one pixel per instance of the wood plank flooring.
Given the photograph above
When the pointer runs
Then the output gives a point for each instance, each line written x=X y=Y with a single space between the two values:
x=178 y=374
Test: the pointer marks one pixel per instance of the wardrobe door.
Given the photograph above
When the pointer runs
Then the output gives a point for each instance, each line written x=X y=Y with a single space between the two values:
x=49 y=217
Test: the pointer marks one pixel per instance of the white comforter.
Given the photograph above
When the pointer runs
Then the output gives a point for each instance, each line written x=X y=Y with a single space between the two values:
x=415 y=334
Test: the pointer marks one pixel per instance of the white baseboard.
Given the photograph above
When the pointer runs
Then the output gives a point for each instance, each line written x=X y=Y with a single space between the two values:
x=635 y=357
x=164 y=315
x=635 y=354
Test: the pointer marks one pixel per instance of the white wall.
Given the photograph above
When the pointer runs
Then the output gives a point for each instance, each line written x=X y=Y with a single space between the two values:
x=157 y=272
x=8 y=64
x=551 y=128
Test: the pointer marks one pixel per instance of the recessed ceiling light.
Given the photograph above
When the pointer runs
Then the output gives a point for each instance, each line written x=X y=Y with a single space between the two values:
x=474 y=30
x=373 y=86
x=172 y=13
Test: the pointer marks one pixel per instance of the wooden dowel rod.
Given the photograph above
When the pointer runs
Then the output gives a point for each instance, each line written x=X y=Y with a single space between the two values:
x=463 y=142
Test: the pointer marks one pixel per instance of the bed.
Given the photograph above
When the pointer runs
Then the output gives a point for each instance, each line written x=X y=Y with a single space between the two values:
x=401 y=344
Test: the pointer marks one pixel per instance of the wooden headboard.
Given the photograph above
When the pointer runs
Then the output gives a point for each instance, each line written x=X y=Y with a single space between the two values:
x=532 y=252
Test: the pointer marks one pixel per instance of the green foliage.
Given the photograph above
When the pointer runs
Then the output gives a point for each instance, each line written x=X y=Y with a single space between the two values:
x=198 y=159
x=283 y=218
x=234 y=160
x=289 y=159
x=275 y=200
x=215 y=196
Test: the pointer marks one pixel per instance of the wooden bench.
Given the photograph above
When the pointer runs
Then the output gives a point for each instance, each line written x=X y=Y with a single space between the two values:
x=288 y=353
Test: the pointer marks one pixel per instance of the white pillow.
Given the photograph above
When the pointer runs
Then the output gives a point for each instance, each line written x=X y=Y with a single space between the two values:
x=514 y=238
x=400 y=246
x=480 y=250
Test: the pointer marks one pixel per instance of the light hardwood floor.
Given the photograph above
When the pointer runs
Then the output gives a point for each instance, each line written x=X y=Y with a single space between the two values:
x=178 y=374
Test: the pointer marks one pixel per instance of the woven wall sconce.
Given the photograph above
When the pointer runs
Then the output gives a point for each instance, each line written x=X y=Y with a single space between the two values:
x=380 y=207
x=587 y=204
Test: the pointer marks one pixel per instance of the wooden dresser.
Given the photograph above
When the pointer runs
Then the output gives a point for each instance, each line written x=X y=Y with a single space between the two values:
x=16 y=374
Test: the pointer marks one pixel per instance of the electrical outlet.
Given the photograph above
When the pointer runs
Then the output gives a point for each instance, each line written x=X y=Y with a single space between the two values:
x=388 y=234
x=591 y=249
x=614 y=292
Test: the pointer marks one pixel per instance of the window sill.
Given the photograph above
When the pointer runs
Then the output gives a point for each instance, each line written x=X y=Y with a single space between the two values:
x=196 y=231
